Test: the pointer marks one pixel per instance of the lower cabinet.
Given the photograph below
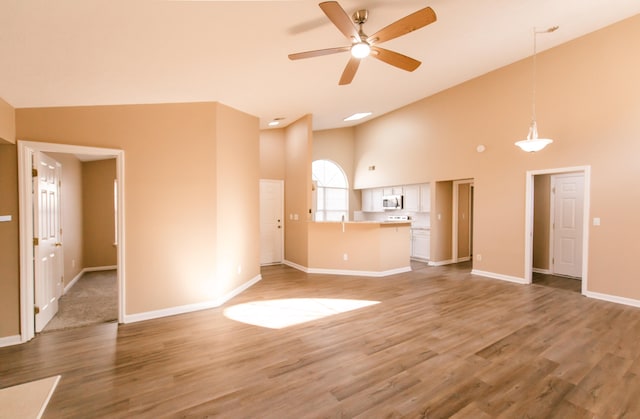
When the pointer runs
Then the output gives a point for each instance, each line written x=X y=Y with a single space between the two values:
x=420 y=244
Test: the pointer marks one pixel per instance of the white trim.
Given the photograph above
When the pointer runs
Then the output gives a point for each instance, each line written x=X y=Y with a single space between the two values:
x=188 y=308
x=613 y=298
x=73 y=282
x=324 y=271
x=464 y=259
x=84 y=270
x=454 y=219
x=374 y=274
x=441 y=262
x=48 y=398
x=295 y=266
x=501 y=277
x=100 y=268
x=528 y=233
x=541 y=271
x=26 y=150
x=10 y=341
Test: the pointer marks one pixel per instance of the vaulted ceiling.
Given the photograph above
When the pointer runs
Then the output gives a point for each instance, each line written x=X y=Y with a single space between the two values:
x=100 y=52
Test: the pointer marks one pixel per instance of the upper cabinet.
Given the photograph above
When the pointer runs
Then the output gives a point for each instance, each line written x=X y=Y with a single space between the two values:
x=412 y=198
x=425 y=197
x=372 y=200
x=417 y=198
x=394 y=190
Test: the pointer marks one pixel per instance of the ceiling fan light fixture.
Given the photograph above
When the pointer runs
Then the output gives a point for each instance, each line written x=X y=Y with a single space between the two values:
x=360 y=50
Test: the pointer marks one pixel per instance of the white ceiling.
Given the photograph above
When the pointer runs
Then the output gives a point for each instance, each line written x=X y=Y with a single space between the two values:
x=99 y=52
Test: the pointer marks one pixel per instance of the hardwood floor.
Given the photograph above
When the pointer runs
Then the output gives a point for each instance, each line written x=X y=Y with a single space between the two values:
x=441 y=343
x=560 y=282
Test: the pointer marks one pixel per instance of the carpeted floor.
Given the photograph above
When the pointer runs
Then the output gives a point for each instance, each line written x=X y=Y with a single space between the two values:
x=93 y=299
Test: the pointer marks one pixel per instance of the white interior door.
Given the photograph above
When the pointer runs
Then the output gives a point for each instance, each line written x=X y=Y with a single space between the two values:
x=271 y=221
x=47 y=232
x=567 y=224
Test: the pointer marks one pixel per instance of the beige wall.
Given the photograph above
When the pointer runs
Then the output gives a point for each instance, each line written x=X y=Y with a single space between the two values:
x=9 y=258
x=541 y=216
x=297 y=190
x=238 y=222
x=172 y=203
x=588 y=100
x=71 y=206
x=7 y=123
x=272 y=154
x=338 y=146
x=98 y=222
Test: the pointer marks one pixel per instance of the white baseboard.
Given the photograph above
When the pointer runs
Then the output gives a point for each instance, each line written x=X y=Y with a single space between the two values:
x=541 y=271
x=188 y=308
x=613 y=298
x=374 y=274
x=359 y=273
x=464 y=259
x=73 y=282
x=501 y=277
x=295 y=266
x=100 y=268
x=441 y=262
x=10 y=341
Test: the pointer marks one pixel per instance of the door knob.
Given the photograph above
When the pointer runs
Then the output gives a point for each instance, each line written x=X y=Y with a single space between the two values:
x=58 y=244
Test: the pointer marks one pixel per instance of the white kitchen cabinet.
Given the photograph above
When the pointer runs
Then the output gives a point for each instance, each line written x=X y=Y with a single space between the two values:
x=417 y=198
x=412 y=198
x=425 y=197
x=372 y=200
x=420 y=244
x=393 y=190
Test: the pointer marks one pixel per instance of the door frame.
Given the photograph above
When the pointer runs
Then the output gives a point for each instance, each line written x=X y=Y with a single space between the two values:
x=280 y=183
x=26 y=150
x=454 y=223
x=528 y=246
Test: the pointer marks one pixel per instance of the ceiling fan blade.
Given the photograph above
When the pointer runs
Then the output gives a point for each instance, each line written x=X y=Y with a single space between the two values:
x=405 y=25
x=349 y=71
x=317 y=53
x=395 y=59
x=340 y=19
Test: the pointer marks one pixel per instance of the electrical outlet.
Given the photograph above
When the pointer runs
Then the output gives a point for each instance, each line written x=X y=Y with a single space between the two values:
x=345 y=257
x=478 y=257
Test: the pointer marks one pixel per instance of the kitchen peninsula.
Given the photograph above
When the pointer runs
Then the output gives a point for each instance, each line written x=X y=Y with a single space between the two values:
x=368 y=248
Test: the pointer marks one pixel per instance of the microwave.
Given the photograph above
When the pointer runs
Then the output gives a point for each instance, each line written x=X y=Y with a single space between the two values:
x=392 y=202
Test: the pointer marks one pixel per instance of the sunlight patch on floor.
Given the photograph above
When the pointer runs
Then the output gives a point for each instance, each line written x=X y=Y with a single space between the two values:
x=277 y=314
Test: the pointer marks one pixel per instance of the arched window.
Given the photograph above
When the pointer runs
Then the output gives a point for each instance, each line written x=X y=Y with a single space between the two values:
x=332 y=191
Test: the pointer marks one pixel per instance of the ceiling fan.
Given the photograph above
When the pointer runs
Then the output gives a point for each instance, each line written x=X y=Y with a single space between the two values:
x=363 y=45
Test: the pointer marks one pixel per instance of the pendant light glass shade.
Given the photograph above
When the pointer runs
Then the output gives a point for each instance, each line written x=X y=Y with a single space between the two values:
x=533 y=143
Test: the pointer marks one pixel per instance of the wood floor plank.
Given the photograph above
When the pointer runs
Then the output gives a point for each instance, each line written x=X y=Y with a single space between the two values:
x=440 y=343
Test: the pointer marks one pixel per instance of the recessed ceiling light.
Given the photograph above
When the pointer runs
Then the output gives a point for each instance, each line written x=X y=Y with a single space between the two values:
x=275 y=122
x=357 y=116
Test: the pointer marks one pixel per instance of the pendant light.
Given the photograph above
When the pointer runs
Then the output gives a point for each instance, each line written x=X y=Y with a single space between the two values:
x=533 y=143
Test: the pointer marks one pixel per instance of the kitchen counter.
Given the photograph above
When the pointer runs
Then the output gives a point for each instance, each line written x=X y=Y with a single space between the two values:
x=369 y=248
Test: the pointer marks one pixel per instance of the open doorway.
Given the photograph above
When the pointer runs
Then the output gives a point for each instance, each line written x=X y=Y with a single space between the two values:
x=556 y=249
x=27 y=152
x=462 y=235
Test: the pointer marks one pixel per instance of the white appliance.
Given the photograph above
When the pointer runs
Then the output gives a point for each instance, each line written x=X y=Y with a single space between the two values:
x=392 y=202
